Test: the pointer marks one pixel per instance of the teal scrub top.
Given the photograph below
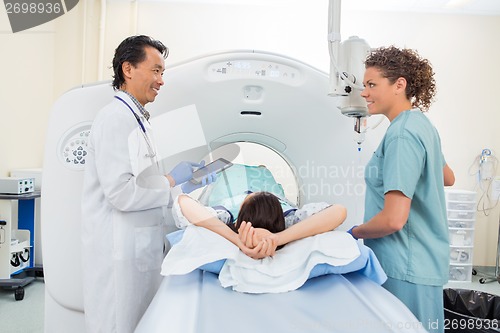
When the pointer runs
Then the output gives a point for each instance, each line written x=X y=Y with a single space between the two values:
x=409 y=159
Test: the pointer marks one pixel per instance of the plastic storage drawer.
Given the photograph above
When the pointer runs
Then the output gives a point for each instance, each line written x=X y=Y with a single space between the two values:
x=461 y=205
x=461 y=255
x=460 y=273
x=461 y=223
x=461 y=236
x=461 y=214
x=460 y=195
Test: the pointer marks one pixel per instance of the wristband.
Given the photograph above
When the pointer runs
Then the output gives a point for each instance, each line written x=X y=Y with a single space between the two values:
x=350 y=232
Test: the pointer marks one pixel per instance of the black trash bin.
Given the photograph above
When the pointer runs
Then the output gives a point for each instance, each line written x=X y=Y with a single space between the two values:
x=471 y=311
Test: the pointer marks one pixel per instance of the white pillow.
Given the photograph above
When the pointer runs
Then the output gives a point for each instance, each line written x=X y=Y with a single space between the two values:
x=287 y=270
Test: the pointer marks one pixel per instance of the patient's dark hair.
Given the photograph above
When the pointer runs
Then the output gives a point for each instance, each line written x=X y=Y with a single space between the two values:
x=263 y=210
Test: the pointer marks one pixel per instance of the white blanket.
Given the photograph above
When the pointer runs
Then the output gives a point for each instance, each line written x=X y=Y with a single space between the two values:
x=287 y=270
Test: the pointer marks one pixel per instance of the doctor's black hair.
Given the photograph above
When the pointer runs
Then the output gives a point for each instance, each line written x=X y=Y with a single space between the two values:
x=131 y=49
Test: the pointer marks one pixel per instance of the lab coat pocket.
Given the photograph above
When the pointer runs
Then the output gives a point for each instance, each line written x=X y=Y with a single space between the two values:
x=148 y=248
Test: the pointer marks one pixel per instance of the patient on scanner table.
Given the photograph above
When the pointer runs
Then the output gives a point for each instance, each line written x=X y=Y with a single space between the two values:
x=211 y=240
x=247 y=207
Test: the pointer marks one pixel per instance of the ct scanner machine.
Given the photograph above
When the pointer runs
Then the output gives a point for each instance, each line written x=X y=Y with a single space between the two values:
x=239 y=96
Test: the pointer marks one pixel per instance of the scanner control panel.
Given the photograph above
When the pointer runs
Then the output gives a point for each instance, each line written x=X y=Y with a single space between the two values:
x=245 y=69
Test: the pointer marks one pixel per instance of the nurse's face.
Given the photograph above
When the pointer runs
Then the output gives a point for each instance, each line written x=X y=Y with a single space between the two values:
x=382 y=96
x=146 y=78
x=378 y=91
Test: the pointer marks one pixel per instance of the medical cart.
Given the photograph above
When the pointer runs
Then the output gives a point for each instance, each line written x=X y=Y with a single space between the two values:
x=17 y=241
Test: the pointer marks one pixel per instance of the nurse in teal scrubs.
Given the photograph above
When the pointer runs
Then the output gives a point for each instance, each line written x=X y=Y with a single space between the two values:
x=405 y=214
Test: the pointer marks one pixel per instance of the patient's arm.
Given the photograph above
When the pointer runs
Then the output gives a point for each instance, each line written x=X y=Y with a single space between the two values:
x=326 y=220
x=198 y=215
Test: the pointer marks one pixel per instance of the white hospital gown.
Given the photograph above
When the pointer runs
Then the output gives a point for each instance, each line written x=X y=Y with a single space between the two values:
x=291 y=218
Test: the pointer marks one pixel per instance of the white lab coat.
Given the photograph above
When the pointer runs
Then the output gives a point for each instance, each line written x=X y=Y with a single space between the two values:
x=122 y=220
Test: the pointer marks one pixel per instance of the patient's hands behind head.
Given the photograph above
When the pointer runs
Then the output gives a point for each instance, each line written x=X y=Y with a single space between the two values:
x=258 y=242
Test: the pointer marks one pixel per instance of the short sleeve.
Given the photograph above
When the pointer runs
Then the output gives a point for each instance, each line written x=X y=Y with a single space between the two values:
x=403 y=165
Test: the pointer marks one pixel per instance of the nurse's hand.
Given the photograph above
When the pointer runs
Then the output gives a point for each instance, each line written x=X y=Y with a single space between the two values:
x=183 y=171
x=189 y=187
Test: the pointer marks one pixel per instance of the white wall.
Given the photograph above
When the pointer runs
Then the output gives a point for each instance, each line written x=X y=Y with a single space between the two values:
x=43 y=62
x=26 y=93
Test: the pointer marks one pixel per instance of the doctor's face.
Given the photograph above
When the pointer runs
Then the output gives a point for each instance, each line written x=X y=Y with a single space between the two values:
x=378 y=92
x=145 y=79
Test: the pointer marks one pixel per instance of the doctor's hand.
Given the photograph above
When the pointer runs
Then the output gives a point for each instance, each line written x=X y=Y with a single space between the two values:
x=189 y=187
x=183 y=171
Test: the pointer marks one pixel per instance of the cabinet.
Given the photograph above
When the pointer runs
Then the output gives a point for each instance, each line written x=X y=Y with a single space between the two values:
x=17 y=241
x=461 y=214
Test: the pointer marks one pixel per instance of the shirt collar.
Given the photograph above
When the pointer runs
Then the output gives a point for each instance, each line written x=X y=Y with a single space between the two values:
x=141 y=108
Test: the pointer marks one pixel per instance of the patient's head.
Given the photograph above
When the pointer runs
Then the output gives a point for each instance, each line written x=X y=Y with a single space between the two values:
x=263 y=210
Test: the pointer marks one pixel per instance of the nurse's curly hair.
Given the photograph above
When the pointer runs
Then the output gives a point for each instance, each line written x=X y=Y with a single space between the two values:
x=131 y=49
x=395 y=63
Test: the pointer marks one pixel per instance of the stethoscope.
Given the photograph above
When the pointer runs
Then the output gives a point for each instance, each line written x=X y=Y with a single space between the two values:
x=151 y=152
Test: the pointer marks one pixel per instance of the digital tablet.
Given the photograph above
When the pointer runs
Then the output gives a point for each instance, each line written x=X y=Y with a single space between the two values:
x=215 y=166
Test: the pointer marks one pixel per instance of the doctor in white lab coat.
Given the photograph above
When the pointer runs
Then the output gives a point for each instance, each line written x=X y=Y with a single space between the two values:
x=125 y=193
